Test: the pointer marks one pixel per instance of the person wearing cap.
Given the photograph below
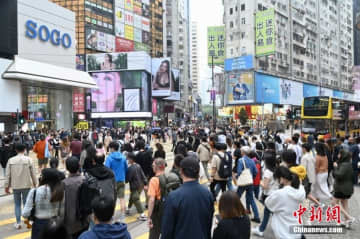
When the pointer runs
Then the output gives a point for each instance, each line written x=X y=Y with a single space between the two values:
x=49 y=201
x=189 y=210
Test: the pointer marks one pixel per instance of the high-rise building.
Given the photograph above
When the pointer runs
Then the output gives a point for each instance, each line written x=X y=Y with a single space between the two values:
x=117 y=25
x=178 y=32
x=194 y=57
x=356 y=20
x=313 y=39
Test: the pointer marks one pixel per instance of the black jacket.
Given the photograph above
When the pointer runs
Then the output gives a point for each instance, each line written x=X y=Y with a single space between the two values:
x=145 y=160
x=136 y=177
x=235 y=228
x=6 y=152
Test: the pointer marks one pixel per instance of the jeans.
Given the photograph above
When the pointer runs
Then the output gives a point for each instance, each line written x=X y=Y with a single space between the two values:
x=249 y=198
x=355 y=175
x=37 y=227
x=265 y=219
x=18 y=195
x=228 y=184
x=256 y=191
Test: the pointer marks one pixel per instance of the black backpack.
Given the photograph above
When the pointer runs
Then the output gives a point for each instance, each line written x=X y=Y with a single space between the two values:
x=225 y=168
x=91 y=188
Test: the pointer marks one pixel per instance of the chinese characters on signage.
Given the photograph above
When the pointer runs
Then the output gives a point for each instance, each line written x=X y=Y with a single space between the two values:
x=78 y=102
x=265 y=32
x=316 y=214
x=216 y=45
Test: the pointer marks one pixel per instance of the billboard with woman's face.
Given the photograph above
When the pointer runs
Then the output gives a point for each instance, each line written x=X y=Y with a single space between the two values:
x=161 y=77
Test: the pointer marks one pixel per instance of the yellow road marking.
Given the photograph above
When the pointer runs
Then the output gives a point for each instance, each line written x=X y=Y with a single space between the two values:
x=20 y=235
x=7 y=221
x=143 y=236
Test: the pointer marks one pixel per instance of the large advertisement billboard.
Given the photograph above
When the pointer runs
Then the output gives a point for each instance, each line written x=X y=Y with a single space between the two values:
x=175 y=86
x=239 y=63
x=310 y=90
x=116 y=92
x=216 y=45
x=267 y=89
x=240 y=88
x=100 y=41
x=161 y=71
x=291 y=92
x=123 y=45
x=134 y=60
x=265 y=32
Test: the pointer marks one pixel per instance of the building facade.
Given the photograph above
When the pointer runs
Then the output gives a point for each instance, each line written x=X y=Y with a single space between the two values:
x=177 y=42
x=194 y=57
x=356 y=20
x=313 y=43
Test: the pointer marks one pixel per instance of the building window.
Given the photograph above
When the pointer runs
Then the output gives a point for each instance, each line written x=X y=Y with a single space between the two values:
x=236 y=8
x=242 y=7
x=231 y=11
x=242 y=35
x=243 y=20
x=231 y=24
x=231 y=51
x=231 y=37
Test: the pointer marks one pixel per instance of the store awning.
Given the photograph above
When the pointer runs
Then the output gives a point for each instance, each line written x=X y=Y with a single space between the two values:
x=28 y=70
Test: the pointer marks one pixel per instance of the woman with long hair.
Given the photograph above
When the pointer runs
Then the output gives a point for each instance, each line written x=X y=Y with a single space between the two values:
x=49 y=202
x=162 y=77
x=64 y=149
x=234 y=223
x=160 y=152
x=320 y=188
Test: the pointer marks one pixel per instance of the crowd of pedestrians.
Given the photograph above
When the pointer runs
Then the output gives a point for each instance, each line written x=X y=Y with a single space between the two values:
x=276 y=171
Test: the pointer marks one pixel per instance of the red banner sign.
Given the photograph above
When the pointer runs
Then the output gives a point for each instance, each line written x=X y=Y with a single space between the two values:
x=78 y=102
x=124 y=45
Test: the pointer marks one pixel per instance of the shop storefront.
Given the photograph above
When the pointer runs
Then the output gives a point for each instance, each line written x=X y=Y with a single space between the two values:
x=38 y=77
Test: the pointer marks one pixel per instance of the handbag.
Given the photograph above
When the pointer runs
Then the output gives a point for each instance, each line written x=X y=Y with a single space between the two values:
x=47 y=152
x=245 y=178
x=32 y=212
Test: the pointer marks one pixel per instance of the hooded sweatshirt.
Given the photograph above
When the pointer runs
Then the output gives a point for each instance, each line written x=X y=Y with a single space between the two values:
x=283 y=203
x=107 y=231
x=117 y=162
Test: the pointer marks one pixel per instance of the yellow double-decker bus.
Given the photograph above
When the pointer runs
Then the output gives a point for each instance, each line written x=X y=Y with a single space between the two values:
x=330 y=117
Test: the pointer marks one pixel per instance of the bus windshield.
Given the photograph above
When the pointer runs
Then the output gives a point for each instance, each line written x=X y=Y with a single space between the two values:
x=316 y=106
x=316 y=126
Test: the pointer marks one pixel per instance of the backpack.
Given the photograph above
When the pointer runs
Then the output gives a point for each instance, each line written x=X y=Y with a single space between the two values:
x=91 y=188
x=225 y=168
x=168 y=183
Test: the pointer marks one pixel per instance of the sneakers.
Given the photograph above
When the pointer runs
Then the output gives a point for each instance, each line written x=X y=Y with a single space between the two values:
x=17 y=226
x=349 y=222
x=142 y=217
x=256 y=231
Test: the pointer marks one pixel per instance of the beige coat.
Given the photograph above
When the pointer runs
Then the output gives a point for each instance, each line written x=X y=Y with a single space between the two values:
x=203 y=153
x=20 y=173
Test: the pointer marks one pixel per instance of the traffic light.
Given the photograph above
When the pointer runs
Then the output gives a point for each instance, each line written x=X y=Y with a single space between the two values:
x=288 y=114
x=21 y=119
x=14 y=118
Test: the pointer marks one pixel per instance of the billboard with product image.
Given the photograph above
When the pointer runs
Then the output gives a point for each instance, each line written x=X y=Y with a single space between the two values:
x=267 y=89
x=291 y=92
x=131 y=100
x=161 y=73
x=240 y=88
x=175 y=86
x=100 y=41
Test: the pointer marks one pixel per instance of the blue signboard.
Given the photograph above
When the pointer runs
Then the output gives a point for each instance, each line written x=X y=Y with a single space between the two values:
x=239 y=63
x=338 y=94
x=267 y=89
x=310 y=90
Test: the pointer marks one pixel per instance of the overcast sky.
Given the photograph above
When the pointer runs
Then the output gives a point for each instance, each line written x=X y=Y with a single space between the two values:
x=205 y=13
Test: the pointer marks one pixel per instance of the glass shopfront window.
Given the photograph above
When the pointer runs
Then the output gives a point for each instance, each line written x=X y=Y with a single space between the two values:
x=47 y=108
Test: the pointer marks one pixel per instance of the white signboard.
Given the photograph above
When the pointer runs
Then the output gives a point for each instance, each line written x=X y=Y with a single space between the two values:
x=131 y=100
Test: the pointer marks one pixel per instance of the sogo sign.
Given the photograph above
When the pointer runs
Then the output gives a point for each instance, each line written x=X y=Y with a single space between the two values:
x=44 y=34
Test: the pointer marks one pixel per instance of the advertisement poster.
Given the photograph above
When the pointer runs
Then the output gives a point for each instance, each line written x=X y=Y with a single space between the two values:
x=265 y=32
x=239 y=63
x=326 y=92
x=129 y=5
x=145 y=24
x=123 y=45
x=107 y=62
x=78 y=100
x=100 y=41
x=120 y=29
x=137 y=35
x=137 y=21
x=137 y=7
x=338 y=94
x=141 y=47
x=129 y=32
x=175 y=89
x=145 y=9
x=129 y=18
x=80 y=62
x=291 y=92
x=216 y=45
x=240 y=88
x=119 y=3
x=110 y=95
x=146 y=37
x=131 y=100
x=161 y=81
x=310 y=90
x=119 y=15
x=267 y=89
